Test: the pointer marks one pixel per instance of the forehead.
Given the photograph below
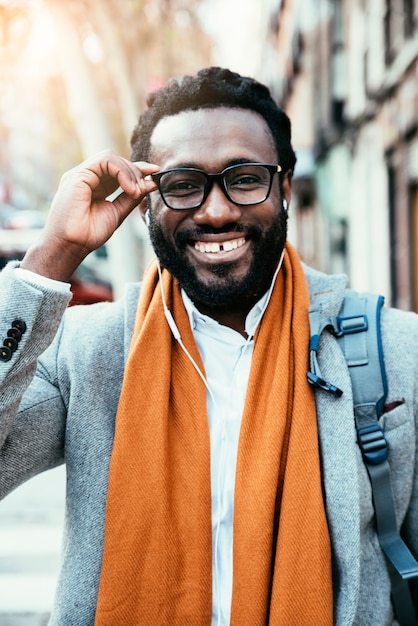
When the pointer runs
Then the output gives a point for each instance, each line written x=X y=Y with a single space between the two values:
x=211 y=139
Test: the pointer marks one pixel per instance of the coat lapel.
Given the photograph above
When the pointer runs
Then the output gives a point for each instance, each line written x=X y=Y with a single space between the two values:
x=339 y=453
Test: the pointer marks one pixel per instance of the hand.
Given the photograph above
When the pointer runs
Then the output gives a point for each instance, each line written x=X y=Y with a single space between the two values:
x=81 y=218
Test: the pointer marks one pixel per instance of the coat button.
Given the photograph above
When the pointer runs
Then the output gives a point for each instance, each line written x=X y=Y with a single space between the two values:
x=5 y=353
x=11 y=343
x=20 y=325
x=14 y=333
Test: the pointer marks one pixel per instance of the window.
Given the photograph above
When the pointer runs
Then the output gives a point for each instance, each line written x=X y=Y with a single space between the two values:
x=408 y=18
x=388 y=32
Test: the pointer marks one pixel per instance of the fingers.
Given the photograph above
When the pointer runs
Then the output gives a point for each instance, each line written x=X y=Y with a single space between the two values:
x=145 y=184
x=108 y=171
x=82 y=218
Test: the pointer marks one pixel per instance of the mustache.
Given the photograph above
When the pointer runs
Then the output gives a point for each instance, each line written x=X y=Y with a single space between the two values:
x=183 y=237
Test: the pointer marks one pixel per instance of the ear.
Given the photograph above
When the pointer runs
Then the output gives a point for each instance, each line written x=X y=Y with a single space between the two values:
x=143 y=207
x=287 y=186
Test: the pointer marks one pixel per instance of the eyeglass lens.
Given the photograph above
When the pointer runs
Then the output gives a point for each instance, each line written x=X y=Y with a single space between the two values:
x=243 y=184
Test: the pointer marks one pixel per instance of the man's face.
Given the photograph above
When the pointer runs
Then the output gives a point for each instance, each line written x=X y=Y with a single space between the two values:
x=222 y=254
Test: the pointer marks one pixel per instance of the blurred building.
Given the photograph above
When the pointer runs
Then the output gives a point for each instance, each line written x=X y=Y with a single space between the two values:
x=346 y=72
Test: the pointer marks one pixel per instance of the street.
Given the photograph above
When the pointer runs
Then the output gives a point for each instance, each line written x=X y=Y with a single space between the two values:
x=31 y=521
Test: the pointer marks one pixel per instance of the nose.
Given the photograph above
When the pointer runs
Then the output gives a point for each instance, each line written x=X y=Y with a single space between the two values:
x=217 y=210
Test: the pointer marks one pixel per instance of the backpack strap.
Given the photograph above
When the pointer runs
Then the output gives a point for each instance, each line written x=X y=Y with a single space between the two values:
x=357 y=328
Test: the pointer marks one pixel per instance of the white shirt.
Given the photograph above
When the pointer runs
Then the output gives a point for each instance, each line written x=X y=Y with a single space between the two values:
x=227 y=356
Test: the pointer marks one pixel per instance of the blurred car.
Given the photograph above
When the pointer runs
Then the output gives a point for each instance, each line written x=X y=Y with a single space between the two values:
x=87 y=284
x=12 y=218
x=89 y=293
x=90 y=282
x=6 y=210
x=14 y=243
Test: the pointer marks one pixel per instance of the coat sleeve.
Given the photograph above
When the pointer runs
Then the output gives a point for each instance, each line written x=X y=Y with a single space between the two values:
x=32 y=413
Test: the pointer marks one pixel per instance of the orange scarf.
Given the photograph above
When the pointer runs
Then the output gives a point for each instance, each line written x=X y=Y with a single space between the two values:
x=157 y=560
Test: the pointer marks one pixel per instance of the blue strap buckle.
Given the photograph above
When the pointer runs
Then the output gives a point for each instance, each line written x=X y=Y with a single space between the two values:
x=351 y=324
x=373 y=444
x=320 y=383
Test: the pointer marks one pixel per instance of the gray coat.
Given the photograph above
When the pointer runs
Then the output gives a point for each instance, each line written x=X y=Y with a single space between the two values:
x=68 y=413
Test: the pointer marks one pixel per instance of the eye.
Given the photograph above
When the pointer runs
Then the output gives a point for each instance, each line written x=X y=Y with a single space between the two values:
x=245 y=180
x=247 y=177
x=181 y=184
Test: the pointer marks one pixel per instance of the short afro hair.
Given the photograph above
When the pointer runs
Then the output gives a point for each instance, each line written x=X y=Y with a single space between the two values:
x=211 y=88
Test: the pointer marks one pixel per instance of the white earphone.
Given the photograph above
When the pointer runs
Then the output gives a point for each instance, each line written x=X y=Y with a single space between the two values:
x=147 y=217
x=284 y=204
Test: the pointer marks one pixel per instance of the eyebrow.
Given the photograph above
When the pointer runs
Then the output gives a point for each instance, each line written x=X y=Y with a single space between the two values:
x=191 y=164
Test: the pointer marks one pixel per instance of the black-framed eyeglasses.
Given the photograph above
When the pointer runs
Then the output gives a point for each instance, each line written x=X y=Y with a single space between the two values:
x=185 y=188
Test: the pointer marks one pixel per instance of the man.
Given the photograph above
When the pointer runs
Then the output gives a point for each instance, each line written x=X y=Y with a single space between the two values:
x=206 y=482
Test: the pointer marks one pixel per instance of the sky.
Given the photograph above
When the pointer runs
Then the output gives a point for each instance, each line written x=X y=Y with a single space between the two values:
x=237 y=26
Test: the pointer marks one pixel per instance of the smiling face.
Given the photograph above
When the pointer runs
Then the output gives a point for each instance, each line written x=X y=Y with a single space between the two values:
x=223 y=255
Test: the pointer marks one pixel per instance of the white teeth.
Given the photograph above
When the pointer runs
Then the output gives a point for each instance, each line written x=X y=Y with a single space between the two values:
x=214 y=246
x=230 y=245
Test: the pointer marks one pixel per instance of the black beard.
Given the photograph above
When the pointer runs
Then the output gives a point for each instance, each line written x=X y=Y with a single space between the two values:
x=223 y=292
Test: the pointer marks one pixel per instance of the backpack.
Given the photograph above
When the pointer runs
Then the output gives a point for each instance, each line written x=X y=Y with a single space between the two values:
x=357 y=329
